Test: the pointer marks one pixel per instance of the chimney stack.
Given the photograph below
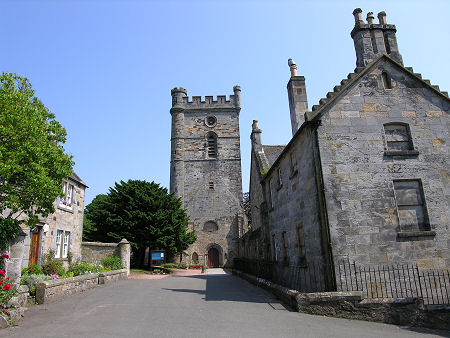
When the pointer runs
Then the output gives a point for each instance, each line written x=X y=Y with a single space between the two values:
x=374 y=39
x=256 y=136
x=298 y=101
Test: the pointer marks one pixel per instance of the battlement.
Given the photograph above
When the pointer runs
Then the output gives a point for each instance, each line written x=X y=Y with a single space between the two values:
x=180 y=99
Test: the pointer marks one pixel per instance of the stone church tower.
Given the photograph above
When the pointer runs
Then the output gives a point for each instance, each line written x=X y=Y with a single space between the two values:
x=205 y=172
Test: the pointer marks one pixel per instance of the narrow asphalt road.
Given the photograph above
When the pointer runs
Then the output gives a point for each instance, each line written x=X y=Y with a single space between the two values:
x=215 y=305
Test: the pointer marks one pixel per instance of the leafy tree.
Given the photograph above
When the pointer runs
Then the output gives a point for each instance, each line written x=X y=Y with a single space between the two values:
x=32 y=160
x=144 y=213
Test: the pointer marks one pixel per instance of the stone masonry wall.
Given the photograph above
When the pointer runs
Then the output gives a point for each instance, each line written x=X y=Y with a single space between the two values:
x=294 y=204
x=254 y=242
x=67 y=220
x=94 y=252
x=210 y=188
x=359 y=174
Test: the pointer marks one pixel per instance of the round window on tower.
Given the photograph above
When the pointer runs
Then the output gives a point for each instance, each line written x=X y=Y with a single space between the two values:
x=211 y=121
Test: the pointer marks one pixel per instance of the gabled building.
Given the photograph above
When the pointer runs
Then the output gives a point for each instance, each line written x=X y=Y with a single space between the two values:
x=61 y=231
x=365 y=176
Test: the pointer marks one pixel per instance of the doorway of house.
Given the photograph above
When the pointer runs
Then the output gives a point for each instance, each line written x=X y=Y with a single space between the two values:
x=213 y=258
x=34 y=247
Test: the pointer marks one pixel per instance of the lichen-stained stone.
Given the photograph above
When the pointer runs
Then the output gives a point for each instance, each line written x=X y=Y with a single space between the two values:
x=206 y=172
x=359 y=174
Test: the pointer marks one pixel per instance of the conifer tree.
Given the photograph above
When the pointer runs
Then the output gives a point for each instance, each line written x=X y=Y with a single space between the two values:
x=142 y=212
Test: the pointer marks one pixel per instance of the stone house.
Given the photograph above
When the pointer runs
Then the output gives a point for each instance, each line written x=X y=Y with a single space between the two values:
x=60 y=231
x=205 y=172
x=364 y=177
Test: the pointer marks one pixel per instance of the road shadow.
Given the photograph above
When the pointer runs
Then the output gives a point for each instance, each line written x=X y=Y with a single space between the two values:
x=226 y=287
x=424 y=330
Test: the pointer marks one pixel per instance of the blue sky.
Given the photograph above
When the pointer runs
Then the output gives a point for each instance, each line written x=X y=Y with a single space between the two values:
x=106 y=68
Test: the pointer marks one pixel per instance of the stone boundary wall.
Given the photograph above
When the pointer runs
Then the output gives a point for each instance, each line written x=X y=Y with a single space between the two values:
x=108 y=277
x=350 y=305
x=53 y=290
x=94 y=252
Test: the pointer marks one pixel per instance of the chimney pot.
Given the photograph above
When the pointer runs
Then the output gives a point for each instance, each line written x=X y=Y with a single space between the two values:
x=382 y=18
x=358 y=16
x=370 y=18
x=255 y=124
x=293 y=67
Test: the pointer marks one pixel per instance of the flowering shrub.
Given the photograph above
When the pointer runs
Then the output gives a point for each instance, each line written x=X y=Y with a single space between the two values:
x=6 y=291
x=82 y=268
x=32 y=270
x=195 y=266
x=67 y=203
x=52 y=266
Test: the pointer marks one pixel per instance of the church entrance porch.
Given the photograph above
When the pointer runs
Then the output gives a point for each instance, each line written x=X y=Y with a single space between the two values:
x=213 y=258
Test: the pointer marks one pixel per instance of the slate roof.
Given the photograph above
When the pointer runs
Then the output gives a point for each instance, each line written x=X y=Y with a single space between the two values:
x=272 y=153
x=77 y=178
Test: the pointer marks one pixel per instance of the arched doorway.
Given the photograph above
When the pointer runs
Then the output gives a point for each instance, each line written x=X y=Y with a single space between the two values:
x=195 y=258
x=213 y=258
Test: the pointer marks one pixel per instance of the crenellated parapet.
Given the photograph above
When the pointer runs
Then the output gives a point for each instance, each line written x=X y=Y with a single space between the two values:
x=181 y=100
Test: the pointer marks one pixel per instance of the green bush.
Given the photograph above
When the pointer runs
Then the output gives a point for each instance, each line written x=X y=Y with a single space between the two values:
x=32 y=280
x=112 y=263
x=9 y=229
x=173 y=266
x=52 y=266
x=81 y=268
x=32 y=270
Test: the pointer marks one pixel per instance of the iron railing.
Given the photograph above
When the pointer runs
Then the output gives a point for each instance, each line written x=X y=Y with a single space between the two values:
x=305 y=278
x=382 y=281
x=394 y=281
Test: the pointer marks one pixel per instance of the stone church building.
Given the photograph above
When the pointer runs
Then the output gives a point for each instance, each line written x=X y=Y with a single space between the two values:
x=365 y=177
x=205 y=172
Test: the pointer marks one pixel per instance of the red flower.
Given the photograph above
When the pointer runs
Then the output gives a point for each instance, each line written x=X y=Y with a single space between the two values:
x=5 y=256
x=31 y=271
x=2 y=273
x=7 y=278
x=1 y=282
x=7 y=286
